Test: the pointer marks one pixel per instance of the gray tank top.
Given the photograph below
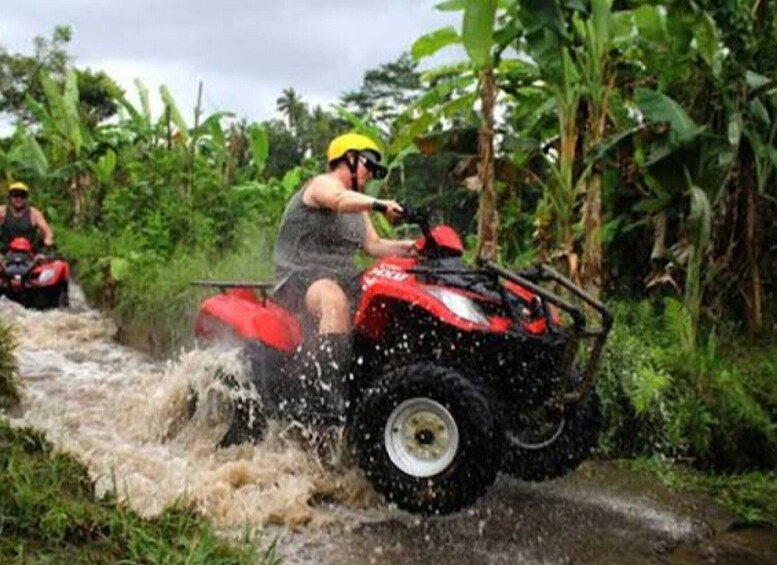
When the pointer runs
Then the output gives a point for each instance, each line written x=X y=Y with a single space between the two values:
x=316 y=239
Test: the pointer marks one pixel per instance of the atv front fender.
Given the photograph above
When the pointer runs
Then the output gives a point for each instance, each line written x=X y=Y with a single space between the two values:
x=379 y=300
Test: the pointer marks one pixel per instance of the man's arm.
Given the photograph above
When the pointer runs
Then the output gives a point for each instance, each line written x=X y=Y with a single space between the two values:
x=325 y=192
x=376 y=246
x=40 y=222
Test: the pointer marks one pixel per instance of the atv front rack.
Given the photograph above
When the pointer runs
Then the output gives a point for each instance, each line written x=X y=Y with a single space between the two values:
x=528 y=279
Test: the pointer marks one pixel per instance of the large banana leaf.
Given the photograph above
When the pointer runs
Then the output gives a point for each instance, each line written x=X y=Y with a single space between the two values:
x=175 y=115
x=657 y=107
x=359 y=125
x=260 y=145
x=35 y=157
x=105 y=166
x=708 y=42
x=477 y=32
x=144 y=101
x=429 y=44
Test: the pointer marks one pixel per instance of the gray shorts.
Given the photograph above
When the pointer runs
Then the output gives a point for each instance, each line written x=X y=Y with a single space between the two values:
x=290 y=292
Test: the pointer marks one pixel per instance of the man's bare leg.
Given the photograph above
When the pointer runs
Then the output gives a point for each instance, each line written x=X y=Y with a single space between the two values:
x=329 y=304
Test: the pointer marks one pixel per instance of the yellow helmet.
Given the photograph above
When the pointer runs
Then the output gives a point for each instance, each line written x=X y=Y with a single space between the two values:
x=18 y=186
x=351 y=142
x=367 y=149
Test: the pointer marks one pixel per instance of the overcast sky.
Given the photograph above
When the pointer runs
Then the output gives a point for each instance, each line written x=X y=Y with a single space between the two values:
x=245 y=51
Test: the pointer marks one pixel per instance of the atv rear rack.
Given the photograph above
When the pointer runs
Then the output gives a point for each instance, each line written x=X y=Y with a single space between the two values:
x=261 y=287
x=528 y=279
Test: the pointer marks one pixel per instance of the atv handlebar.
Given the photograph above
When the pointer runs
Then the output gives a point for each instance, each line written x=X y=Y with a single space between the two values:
x=419 y=216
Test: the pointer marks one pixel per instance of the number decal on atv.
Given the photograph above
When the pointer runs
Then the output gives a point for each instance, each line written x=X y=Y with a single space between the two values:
x=390 y=274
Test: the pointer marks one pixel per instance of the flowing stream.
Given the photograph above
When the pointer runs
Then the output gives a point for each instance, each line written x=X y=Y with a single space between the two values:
x=125 y=416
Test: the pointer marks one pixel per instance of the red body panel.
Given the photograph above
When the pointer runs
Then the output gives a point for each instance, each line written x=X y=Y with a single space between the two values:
x=387 y=281
x=21 y=244
x=62 y=273
x=538 y=326
x=239 y=311
x=444 y=236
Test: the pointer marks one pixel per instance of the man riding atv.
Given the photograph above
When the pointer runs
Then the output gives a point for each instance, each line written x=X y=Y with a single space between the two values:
x=325 y=224
x=20 y=219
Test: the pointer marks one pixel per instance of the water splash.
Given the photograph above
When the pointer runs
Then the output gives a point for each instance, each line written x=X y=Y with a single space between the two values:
x=126 y=417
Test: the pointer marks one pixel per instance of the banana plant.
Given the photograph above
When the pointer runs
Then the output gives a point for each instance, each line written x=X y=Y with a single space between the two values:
x=66 y=139
x=752 y=134
x=488 y=27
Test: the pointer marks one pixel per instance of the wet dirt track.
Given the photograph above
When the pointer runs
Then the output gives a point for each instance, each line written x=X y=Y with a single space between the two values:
x=600 y=514
x=120 y=413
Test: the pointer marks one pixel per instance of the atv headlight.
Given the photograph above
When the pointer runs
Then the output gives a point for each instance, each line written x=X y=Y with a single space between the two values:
x=46 y=275
x=460 y=305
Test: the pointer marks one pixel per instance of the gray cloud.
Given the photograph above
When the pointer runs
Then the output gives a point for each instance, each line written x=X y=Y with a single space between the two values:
x=246 y=52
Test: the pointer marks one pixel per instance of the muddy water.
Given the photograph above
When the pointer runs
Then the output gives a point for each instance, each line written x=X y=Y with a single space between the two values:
x=125 y=416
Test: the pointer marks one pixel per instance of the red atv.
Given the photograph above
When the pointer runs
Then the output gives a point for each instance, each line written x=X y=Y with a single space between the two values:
x=458 y=372
x=32 y=279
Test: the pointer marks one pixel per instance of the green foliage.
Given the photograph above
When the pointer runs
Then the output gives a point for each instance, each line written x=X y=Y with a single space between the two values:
x=753 y=496
x=662 y=397
x=19 y=73
x=430 y=43
x=8 y=368
x=477 y=30
x=49 y=514
x=388 y=90
x=660 y=108
x=156 y=303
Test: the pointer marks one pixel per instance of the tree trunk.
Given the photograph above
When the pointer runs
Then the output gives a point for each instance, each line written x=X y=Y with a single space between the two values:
x=592 y=246
x=752 y=244
x=488 y=220
x=77 y=198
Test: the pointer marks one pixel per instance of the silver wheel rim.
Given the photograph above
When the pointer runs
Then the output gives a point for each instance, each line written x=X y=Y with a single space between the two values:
x=421 y=437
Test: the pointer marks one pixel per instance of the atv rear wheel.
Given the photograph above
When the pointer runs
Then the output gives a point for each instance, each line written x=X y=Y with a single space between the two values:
x=547 y=449
x=425 y=437
x=247 y=422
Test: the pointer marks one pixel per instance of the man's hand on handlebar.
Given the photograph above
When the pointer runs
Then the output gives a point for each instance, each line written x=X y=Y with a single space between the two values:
x=390 y=208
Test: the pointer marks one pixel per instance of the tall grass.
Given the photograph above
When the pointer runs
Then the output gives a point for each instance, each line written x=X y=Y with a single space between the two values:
x=9 y=395
x=153 y=301
x=753 y=496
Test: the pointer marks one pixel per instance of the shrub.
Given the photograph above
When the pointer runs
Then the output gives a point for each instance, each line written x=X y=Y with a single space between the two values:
x=661 y=396
x=8 y=368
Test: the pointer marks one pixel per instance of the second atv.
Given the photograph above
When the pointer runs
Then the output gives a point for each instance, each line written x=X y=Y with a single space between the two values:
x=33 y=279
x=458 y=372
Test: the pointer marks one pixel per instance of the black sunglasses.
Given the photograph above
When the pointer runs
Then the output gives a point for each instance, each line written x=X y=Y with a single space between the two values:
x=17 y=194
x=371 y=161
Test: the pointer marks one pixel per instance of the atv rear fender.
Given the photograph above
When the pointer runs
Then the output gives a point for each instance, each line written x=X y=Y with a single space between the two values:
x=239 y=312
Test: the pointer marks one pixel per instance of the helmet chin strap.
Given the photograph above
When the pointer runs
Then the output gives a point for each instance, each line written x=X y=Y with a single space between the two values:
x=353 y=167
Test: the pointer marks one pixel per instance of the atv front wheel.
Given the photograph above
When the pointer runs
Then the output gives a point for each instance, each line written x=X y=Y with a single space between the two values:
x=548 y=448
x=425 y=437
x=52 y=297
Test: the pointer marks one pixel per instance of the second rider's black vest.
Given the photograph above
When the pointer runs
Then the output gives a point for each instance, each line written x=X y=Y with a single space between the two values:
x=14 y=226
